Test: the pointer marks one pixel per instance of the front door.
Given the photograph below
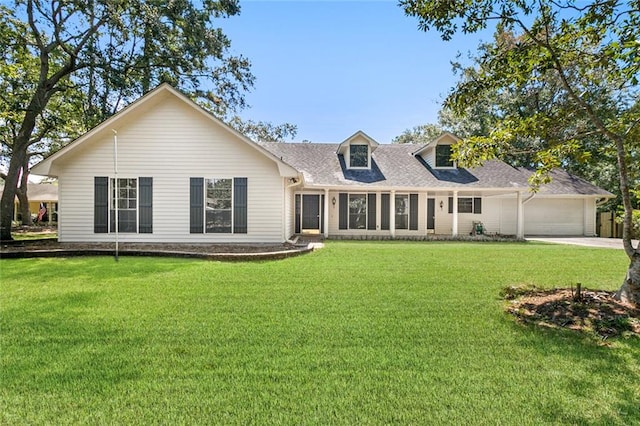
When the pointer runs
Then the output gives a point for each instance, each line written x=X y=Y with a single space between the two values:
x=431 y=213
x=310 y=212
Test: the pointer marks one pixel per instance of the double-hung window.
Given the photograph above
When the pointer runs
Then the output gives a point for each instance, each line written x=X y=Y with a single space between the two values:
x=218 y=205
x=402 y=211
x=219 y=213
x=124 y=198
x=357 y=211
x=125 y=201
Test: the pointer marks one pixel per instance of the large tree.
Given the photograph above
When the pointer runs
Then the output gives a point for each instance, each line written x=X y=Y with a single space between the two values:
x=68 y=65
x=590 y=49
x=421 y=134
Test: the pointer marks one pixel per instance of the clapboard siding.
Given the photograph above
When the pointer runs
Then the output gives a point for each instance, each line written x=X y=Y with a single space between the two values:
x=171 y=143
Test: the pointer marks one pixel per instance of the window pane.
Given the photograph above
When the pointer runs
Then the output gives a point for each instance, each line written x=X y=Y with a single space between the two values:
x=124 y=195
x=357 y=211
x=465 y=205
x=402 y=204
x=402 y=222
x=402 y=211
x=443 y=156
x=359 y=155
x=219 y=204
x=219 y=221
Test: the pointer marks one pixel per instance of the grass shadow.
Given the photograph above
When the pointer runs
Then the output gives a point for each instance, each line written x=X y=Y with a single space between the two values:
x=592 y=365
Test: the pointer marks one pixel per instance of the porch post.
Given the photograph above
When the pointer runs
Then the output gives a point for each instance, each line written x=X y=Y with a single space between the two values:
x=454 y=225
x=326 y=213
x=392 y=213
x=520 y=216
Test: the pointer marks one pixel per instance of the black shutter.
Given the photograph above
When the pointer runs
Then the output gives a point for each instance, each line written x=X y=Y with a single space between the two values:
x=413 y=212
x=450 y=204
x=371 y=211
x=100 y=205
x=145 y=193
x=477 y=205
x=343 y=212
x=240 y=205
x=196 y=205
x=385 y=206
x=298 y=210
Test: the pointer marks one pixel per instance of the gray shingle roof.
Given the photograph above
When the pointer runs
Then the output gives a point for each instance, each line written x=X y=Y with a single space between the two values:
x=563 y=183
x=394 y=166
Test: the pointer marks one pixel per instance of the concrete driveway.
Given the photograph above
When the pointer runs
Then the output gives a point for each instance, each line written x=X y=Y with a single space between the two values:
x=612 y=243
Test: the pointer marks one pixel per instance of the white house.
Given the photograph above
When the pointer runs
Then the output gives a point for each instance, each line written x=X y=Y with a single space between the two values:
x=178 y=174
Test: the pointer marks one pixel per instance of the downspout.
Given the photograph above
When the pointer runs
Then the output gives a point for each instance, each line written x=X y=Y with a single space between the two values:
x=117 y=189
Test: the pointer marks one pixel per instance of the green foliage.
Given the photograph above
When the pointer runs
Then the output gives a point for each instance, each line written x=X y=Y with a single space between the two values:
x=356 y=333
x=635 y=221
x=263 y=131
x=422 y=134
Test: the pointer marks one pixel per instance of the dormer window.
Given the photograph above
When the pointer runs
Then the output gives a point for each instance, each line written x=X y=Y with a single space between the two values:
x=358 y=156
x=356 y=152
x=443 y=156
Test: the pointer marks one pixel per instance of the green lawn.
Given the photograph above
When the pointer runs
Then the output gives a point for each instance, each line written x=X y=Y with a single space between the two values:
x=356 y=333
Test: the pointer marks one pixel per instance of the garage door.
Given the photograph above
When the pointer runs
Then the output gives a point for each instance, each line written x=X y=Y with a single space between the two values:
x=554 y=217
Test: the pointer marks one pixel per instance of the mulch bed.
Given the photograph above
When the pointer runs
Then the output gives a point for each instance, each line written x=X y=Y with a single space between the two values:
x=593 y=312
x=52 y=248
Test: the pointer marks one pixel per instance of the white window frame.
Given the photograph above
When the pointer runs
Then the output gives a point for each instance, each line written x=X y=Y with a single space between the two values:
x=114 y=189
x=368 y=166
x=366 y=210
x=395 y=213
x=435 y=158
x=204 y=218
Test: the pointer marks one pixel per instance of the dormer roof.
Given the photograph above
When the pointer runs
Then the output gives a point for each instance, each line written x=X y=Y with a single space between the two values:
x=357 y=137
x=436 y=141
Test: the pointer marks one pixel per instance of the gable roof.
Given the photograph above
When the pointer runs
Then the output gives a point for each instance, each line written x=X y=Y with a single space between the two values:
x=396 y=167
x=435 y=142
x=145 y=102
x=343 y=146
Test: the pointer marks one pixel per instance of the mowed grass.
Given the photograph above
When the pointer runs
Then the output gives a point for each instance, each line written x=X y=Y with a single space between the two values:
x=356 y=333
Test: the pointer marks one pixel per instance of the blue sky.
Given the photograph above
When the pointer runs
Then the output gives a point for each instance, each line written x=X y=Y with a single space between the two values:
x=336 y=67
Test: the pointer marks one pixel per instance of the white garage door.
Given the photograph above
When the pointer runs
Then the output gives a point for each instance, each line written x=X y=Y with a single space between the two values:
x=554 y=217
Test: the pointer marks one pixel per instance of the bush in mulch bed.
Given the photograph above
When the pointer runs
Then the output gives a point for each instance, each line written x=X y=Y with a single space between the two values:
x=594 y=312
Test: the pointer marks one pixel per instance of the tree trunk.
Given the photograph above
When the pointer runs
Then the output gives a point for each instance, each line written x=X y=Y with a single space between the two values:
x=9 y=193
x=21 y=193
x=19 y=158
x=630 y=290
x=25 y=211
